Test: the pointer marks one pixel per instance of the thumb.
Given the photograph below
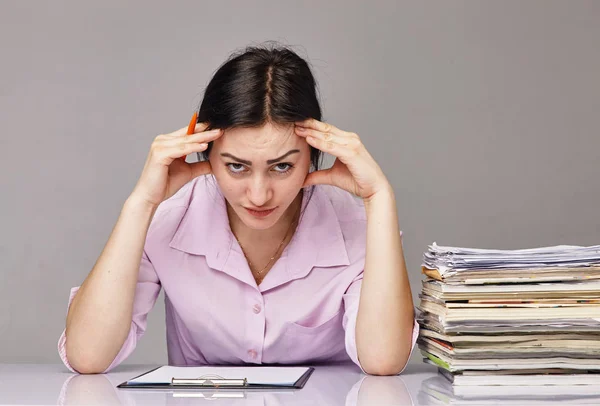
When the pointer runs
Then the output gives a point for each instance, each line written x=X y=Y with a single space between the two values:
x=322 y=177
x=200 y=168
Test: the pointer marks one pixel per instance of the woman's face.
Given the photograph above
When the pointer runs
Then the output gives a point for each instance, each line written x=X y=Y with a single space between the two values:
x=260 y=171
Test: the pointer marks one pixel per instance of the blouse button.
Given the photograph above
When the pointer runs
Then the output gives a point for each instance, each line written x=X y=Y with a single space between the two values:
x=252 y=354
x=256 y=308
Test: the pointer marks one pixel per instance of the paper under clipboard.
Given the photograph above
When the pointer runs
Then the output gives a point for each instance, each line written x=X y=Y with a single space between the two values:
x=207 y=377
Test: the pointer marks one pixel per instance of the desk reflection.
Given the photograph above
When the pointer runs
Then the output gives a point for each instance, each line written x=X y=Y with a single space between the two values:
x=437 y=390
x=329 y=385
x=380 y=391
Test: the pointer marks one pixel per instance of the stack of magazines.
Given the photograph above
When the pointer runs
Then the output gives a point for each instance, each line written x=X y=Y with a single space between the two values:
x=512 y=317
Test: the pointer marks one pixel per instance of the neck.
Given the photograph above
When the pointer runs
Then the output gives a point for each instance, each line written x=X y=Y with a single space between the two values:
x=276 y=232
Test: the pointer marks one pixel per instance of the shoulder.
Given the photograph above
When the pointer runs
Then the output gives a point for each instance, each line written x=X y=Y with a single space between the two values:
x=349 y=213
x=169 y=213
x=347 y=207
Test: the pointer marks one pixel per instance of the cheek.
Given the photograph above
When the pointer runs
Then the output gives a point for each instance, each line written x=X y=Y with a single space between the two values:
x=229 y=189
x=225 y=182
x=292 y=185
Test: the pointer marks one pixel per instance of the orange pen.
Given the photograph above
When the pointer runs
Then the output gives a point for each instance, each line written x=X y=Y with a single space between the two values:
x=191 y=127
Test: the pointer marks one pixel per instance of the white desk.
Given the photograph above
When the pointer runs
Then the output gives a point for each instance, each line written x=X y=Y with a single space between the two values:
x=331 y=385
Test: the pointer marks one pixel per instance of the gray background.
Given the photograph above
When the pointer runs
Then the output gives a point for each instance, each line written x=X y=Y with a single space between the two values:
x=483 y=115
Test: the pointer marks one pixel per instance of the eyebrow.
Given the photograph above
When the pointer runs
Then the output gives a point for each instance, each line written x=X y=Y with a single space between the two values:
x=269 y=161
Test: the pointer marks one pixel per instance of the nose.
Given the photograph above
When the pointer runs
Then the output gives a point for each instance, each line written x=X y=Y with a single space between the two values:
x=259 y=191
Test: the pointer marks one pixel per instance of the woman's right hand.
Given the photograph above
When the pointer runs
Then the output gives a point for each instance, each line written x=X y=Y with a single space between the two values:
x=165 y=172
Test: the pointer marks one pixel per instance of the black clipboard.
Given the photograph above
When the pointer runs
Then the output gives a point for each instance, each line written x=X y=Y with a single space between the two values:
x=210 y=383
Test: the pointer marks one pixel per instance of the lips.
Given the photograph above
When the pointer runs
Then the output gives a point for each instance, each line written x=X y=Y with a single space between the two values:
x=260 y=213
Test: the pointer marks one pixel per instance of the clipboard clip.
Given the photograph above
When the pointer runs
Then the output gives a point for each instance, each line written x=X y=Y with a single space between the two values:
x=211 y=381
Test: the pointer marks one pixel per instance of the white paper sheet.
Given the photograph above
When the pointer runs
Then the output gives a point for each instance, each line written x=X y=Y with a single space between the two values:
x=255 y=375
x=449 y=260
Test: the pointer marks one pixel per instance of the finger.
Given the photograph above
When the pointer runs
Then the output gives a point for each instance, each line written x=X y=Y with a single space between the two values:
x=321 y=126
x=200 y=168
x=330 y=147
x=183 y=131
x=202 y=137
x=197 y=142
x=183 y=150
x=341 y=140
x=322 y=177
x=166 y=153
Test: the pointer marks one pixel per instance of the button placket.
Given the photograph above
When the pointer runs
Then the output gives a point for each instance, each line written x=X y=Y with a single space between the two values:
x=255 y=329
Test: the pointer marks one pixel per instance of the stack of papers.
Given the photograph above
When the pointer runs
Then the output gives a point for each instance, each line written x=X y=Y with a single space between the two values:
x=512 y=317
x=438 y=391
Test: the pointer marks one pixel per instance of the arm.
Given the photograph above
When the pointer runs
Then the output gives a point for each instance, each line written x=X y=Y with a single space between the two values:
x=99 y=319
x=385 y=316
x=384 y=326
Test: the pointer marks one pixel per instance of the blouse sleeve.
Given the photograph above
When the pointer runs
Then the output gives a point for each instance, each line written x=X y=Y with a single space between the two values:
x=146 y=293
x=351 y=301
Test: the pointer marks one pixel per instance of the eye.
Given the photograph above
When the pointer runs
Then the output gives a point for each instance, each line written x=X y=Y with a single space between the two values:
x=235 y=168
x=283 y=168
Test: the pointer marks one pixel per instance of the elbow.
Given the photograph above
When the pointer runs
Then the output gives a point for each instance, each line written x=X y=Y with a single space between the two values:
x=383 y=369
x=87 y=369
x=382 y=365
x=82 y=363
x=83 y=366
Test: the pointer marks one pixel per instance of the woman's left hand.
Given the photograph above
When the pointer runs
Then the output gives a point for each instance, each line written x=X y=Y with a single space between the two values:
x=354 y=169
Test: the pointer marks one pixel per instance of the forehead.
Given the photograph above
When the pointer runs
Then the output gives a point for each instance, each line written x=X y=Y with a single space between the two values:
x=268 y=138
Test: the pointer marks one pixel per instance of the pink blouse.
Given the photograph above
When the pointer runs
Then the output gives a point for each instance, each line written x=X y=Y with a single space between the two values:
x=304 y=311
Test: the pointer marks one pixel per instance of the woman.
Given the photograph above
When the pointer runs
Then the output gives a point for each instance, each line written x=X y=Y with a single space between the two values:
x=266 y=259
